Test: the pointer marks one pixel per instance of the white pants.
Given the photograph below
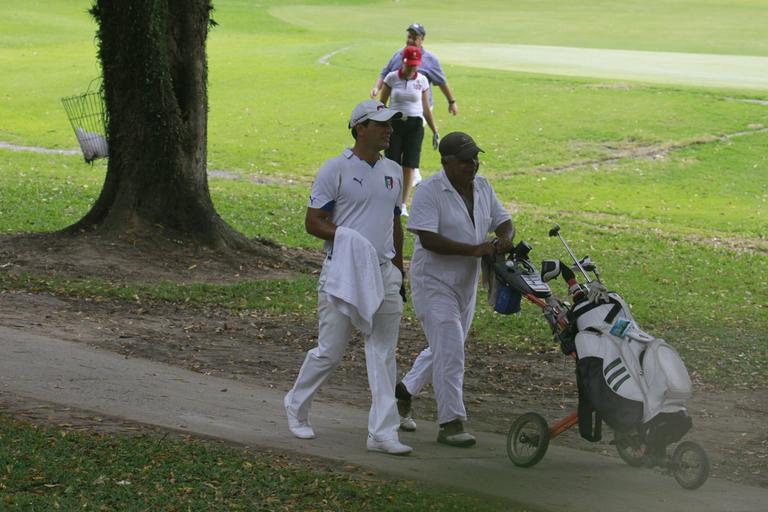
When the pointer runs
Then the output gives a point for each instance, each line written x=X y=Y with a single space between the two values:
x=446 y=325
x=335 y=329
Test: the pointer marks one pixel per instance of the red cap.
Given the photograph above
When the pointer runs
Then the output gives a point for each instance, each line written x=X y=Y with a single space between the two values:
x=412 y=55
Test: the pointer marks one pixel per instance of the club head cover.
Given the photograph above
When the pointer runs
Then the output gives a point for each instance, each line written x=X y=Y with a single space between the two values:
x=598 y=293
x=550 y=269
x=578 y=291
x=587 y=264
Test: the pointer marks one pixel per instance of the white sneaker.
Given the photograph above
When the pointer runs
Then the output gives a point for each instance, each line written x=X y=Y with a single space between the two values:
x=407 y=423
x=416 y=177
x=299 y=428
x=390 y=446
x=403 y=211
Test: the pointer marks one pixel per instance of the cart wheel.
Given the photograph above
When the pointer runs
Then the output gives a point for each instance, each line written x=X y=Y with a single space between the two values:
x=631 y=451
x=528 y=440
x=690 y=465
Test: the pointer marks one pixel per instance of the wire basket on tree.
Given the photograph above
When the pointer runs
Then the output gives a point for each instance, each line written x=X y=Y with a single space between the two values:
x=87 y=115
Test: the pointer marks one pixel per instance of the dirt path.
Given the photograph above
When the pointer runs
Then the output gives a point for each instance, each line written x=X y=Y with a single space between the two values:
x=267 y=350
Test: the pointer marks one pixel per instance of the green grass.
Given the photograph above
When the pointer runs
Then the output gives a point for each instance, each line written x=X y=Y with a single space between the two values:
x=55 y=469
x=45 y=192
x=717 y=188
x=276 y=296
x=702 y=26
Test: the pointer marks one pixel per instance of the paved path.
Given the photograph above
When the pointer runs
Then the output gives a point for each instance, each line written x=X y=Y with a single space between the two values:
x=139 y=390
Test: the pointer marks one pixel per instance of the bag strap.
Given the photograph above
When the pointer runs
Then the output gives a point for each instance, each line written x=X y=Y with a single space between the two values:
x=590 y=420
x=617 y=307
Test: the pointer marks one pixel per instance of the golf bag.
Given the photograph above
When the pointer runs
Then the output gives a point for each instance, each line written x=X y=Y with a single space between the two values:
x=626 y=377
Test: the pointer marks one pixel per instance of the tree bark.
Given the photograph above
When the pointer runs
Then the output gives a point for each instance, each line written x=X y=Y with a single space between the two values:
x=154 y=66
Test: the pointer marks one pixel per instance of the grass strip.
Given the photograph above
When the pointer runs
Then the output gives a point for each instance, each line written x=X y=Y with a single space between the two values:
x=57 y=469
x=275 y=296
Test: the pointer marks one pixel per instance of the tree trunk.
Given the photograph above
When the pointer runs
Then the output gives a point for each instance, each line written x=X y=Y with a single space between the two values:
x=155 y=84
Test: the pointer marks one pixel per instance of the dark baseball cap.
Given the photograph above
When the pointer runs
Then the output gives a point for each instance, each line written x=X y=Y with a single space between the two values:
x=417 y=28
x=460 y=145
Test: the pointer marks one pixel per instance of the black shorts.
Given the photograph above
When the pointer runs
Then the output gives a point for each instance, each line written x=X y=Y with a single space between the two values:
x=405 y=142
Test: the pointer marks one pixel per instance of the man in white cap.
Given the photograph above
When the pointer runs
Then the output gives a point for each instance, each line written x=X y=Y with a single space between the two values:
x=451 y=215
x=354 y=206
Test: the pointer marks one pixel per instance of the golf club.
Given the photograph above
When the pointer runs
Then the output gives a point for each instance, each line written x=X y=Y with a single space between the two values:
x=555 y=231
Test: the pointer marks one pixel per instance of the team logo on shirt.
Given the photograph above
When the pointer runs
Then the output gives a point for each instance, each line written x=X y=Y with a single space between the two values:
x=358 y=180
x=389 y=182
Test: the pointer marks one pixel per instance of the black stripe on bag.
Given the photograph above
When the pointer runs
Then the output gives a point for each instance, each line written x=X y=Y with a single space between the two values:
x=615 y=374
x=616 y=362
x=585 y=309
x=622 y=381
x=614 y=311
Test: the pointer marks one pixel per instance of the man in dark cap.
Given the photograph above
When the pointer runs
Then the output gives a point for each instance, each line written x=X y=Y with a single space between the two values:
x=451 y=215
x=430 y=67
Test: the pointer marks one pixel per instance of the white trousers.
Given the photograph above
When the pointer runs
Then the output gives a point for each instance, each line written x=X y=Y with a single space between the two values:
x=446 y=324
x=335 y=329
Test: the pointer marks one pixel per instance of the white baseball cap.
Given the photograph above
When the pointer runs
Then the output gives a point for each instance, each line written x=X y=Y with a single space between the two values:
x=374 y=110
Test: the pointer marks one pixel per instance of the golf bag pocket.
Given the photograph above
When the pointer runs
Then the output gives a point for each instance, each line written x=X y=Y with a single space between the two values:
x=622 y=414
x=667 y=379
x=607 y=380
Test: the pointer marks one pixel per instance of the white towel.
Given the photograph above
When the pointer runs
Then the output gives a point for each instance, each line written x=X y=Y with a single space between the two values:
x=354 y=279
x=489 y=279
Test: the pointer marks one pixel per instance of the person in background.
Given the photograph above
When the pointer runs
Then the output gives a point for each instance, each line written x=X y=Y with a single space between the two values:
x=430 y=67
x=406 y=90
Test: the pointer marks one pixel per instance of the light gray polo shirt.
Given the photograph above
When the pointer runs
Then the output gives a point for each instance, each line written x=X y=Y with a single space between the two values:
x=361 y=197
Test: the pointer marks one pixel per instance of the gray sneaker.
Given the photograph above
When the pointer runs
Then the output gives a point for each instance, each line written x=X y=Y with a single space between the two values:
x=453 y=434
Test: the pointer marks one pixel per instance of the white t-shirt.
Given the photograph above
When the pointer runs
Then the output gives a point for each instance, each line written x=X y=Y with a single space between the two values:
x=360 y=197
x=438 y=208
x=406 y=94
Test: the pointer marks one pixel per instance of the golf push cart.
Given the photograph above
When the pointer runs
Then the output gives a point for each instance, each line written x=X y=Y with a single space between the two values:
x=645 y=378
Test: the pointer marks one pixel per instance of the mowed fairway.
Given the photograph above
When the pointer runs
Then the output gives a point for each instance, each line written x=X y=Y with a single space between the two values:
x=735 y=71
x=702 y=43
x=639 y=127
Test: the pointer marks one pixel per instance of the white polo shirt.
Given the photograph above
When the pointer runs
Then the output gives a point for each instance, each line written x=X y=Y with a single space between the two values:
x=406 y=93
x=438 y=208
x=360 y=197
